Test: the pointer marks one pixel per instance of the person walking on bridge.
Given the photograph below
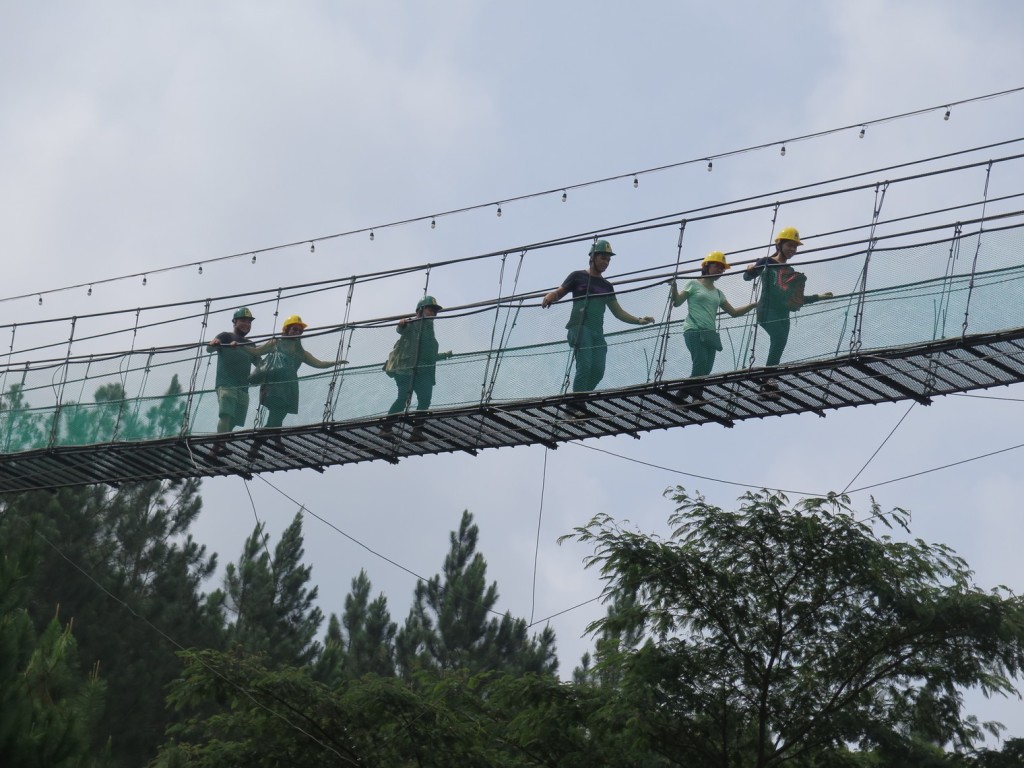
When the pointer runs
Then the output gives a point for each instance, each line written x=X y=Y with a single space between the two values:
x=782 y=292
x=591 y=294
x=235 y=358
x=412 y=363
x=279 y=391
x=700 y=329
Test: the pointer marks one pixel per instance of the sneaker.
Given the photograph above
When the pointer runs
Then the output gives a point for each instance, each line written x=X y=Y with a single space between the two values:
x=386 y=431
x=417 y=436
x=770 y=388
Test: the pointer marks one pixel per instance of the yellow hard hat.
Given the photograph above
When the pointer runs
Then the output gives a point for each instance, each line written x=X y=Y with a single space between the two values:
x=715 y=257
x=293 y=320
x=789 y=233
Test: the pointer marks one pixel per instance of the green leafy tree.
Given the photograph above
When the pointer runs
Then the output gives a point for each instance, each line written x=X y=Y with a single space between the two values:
x=452 y=624
x=1010 y=756
x=782 y=632
x=269 y=606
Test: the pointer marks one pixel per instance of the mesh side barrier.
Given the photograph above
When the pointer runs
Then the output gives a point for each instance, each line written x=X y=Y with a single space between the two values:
x=141 y=395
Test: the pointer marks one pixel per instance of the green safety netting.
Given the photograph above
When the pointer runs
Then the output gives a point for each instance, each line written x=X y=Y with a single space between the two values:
x=517 y=351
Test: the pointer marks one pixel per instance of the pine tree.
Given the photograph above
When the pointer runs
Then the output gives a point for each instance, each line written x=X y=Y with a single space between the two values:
x=452 y=625
x=269 y=606
x=121 y=566
x=48 y=706
x=363 y=641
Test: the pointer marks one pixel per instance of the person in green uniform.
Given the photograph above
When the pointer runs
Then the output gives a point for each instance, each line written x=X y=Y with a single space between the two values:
x=591 y=294
x=235 y=358
x=782 y=292
x=700 y=329
x=413 y=363
x=279 y=393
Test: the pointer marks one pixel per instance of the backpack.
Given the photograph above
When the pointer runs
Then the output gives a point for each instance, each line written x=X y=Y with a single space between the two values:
x=790 y=285
x=392 y=362
x=271 y=368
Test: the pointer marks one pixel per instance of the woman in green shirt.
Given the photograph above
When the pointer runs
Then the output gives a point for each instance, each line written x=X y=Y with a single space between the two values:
x=700 y=329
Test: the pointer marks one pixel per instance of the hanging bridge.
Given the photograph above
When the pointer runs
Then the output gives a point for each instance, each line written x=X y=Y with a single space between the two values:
x=927 y=302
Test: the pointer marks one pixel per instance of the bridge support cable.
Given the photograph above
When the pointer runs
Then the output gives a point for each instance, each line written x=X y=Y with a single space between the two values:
x=496 y=351
x=7 y=367
x=260 y=410
x=858 y=317
x=663 y=341
x=124 y=366
x=942 y=311
x=977 y=249
x=12 y=410
x=426 y=280
x=945 y=298
x=755 y=289
x=85 y=378
x=338 y=372
x=495 y=347
x=186 y=416
x=65 y=368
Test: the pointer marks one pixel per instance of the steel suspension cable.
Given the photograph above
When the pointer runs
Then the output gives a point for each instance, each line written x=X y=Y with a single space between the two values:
x=659 y=372
x=260 y=410
x=977 y=250
x=495 y=356
x=755 y=294
x=338 y=372
x=55 y=427
x=858 y=317
x=947 y=283
x=186 y=417
x=124 y=377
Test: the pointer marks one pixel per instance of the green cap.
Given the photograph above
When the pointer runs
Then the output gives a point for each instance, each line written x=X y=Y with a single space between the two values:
x=601 y=246
x=242 y=314
x=428 y=301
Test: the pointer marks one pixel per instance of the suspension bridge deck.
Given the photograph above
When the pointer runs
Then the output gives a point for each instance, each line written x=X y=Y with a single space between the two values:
x=917 y=372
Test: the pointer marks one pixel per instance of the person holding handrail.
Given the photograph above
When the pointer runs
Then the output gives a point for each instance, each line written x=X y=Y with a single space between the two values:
x=591 y=294
x=279 y=374
x=412 y=363
x=700 y=331
x=782 y=292
x=235 y=357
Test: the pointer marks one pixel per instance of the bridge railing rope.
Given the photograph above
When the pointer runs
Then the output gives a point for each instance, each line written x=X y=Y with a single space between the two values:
x=157 y=392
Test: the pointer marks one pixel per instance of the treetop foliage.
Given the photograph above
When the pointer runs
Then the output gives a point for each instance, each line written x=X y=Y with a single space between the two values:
x=782 y=630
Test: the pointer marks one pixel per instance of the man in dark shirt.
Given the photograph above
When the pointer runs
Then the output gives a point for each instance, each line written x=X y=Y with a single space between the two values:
x=591 y=294
x=235 y=356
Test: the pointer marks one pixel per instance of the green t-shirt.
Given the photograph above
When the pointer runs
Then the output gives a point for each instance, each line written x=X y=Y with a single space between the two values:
x=704 y=304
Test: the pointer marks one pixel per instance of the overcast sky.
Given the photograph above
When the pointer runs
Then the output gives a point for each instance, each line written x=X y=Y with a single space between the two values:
x=136 y=136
